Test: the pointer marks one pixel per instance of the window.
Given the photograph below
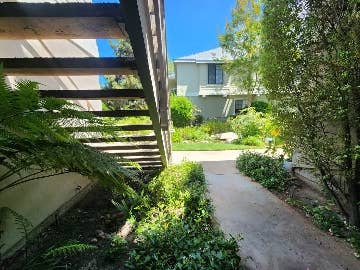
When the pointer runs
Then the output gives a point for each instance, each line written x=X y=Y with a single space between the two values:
x=239 y=105
x=215 y=74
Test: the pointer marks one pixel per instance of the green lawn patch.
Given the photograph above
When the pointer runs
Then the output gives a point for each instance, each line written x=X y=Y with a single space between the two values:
x=193 y=146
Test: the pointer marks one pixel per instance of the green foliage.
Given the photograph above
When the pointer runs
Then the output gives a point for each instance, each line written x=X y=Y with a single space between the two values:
x=242 y=41
x=68 y=250
x=252 y=141
x=35 y=142
x=194 y=134
x=122 y=48
x=198 y=120
x=119 y=247
x=53 y=257
x=182 y=111
x=248 y=123
x=261 y=106
x=176 y=230
x=216 y=126
x=212 y=146
x=328 y=220
x=268 y=171
x=308 y=70
x=23 y=225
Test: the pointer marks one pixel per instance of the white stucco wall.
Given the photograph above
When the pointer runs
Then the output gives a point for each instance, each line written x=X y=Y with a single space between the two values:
x=192 y=80
x=214 y=101
x=39 y=199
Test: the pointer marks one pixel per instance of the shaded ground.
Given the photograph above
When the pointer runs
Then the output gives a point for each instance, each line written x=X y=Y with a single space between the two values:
x=276 y=236
x=91 y=221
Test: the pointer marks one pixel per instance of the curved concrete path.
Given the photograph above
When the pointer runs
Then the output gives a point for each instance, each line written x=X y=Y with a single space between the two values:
x=275 y=236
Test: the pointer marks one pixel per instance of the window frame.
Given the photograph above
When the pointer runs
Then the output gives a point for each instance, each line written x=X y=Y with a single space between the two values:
x=243 y=105
x=214 y=79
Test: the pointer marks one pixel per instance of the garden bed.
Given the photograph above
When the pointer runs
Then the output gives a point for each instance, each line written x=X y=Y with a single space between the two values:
x=169 y=225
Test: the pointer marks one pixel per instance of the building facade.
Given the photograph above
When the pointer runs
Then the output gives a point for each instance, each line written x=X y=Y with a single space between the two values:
x=201 y=78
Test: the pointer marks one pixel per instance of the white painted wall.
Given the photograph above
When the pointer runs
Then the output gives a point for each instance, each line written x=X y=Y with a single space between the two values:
x=39 y=199
x=213 y=101
x=192 y=80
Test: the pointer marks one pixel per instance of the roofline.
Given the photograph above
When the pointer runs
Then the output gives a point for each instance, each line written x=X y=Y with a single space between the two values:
x=198 y=61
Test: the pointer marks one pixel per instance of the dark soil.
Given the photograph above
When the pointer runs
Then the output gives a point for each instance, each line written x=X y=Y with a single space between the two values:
x=94 y=220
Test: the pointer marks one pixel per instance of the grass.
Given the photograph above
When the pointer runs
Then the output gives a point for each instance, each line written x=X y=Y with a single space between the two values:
x=212 y=146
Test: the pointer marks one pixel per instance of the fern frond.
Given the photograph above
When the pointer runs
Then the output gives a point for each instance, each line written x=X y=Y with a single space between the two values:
x=23 y=224
x=68 y=250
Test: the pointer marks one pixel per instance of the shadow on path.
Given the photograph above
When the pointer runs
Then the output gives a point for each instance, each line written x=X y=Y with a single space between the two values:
x=275 y=236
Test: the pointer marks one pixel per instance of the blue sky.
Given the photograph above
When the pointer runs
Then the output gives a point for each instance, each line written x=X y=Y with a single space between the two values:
x=192 y=26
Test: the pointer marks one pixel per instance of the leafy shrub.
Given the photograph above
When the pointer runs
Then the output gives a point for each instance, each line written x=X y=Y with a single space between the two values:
x=328 y=220
x=118 y=248
x=194 y=134
x=249 y=123
x=177 y=232
x=198 y=120
x=252 y=141
x=261 y=106
x=268 y=171
x=216 y=126
x=182 y=111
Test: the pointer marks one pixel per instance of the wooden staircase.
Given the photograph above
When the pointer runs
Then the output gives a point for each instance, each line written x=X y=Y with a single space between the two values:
x=142 y=21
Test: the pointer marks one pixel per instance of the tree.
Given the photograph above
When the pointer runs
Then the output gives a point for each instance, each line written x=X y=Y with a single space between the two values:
x=122 y=48
x=242 y=41
x=311 y=68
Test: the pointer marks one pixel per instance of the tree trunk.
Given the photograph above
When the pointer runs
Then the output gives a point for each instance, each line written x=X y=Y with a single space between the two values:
x=354 y=199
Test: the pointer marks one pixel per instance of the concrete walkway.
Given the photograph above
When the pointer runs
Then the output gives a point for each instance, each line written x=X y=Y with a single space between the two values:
x=275 y=236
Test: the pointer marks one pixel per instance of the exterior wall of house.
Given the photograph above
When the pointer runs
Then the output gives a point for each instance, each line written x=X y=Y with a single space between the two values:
x=43 y=198
x=218 y=107
x=214 y=101
x=187 y=79
x=192 y=80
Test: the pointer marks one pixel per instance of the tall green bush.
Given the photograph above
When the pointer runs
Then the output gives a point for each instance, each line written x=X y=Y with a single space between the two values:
x=182 y=111
x=248 y=123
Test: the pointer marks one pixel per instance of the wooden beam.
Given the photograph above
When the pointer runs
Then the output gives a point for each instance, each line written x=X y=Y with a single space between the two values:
x=59 y=28
x=145 y=138
x=152 y=168
x=126 y=147
x=159 y=163
x=112 y=128
x=137 y=19
x=94 y=94
x=8 y=9
x=60 y=20
x=69 y=66
x=145 y=167
x=136 y=154
x=121 y=113
x=141 y=159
